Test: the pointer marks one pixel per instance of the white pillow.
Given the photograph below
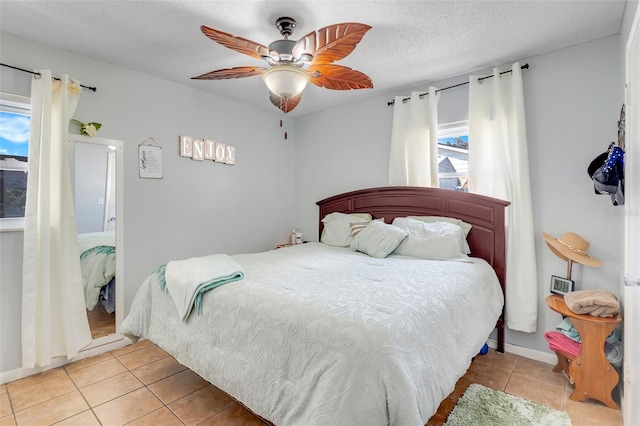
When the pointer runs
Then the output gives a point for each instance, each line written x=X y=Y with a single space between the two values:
x=337 y=228
x=378 y=239
x=466 y=227
x=437 y=241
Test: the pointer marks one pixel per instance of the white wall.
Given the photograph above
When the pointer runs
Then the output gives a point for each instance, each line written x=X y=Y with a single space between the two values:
x=573 y=100
x=197 y=208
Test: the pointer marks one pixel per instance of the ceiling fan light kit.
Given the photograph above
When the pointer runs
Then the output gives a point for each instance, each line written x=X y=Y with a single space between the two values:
x=285 y=81
x=293 y=64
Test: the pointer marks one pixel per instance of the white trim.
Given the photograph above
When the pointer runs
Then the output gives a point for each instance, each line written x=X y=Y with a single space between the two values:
x=630 y=377
x=97 y=347
x=108 y=202
x=12 y=224
x=546 y=357
x=17 y=104
x=456 y=128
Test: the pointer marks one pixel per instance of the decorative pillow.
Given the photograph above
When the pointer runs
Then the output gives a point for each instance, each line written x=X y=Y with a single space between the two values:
x=337 y=228
x=378 y=239
x=356 y=227
x=437 y=241
x=466 y=227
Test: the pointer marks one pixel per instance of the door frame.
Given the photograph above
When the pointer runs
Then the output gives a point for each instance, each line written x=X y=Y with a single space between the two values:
x=631 y=271
x=109 y=201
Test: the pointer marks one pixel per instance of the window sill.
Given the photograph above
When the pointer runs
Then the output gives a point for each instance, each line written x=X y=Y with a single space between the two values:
x=12 y=224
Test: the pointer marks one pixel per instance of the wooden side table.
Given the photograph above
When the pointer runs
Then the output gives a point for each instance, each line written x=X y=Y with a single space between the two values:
x=592 y=374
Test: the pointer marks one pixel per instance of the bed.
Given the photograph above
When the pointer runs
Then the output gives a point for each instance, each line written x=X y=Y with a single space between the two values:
x=98 y=264
x=325 y=335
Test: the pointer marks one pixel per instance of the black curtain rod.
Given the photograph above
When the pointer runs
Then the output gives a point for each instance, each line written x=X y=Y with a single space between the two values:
x=93 y=89
x=523 y=67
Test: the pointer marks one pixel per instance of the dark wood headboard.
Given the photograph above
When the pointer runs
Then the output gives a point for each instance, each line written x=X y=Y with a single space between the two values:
x=485 y=214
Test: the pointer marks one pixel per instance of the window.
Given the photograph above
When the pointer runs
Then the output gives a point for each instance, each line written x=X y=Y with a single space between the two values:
x=15 y=118
x=453 y=155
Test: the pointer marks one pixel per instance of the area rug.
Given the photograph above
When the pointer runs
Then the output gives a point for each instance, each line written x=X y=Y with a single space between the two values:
x=481 y=405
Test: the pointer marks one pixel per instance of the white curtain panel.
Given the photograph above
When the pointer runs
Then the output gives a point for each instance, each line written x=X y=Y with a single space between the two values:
x=413 y=159
x=499 y=167
x=54 y=317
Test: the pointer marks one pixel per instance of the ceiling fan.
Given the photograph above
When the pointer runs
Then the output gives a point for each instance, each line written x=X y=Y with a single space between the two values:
x=293 y=64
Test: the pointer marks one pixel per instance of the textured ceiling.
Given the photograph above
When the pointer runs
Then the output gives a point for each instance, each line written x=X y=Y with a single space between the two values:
x=411 y=43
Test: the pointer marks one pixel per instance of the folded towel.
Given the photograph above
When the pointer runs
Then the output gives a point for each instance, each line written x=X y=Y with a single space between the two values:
x=567 y=328
x=597 y=303
x=614 y=353
x=187 y=280
x=560 y=342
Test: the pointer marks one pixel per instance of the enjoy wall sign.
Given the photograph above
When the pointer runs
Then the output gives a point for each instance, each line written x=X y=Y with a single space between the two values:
x=205 y=149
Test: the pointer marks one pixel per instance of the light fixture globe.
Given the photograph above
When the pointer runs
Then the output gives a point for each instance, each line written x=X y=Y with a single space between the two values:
x=285 y=81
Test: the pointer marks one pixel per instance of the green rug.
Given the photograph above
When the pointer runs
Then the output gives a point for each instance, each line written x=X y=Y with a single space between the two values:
x=481 y=405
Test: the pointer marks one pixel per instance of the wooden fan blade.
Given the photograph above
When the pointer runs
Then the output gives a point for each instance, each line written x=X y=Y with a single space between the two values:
x=331 y=43
x=239 y=44
x=228 y=73
x=337 y=77
x=286 y=105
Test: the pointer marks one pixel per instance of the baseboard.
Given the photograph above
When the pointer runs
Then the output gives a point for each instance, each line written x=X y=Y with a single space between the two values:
x=546 y=357
x=98 y=346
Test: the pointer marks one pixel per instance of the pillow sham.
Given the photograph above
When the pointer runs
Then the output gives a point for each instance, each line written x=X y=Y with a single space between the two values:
x=337 y=228
x=378 y=239
x=466 y=227
x=436 y=241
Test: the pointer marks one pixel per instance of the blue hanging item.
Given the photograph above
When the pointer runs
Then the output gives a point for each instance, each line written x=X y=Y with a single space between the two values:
x=607 y=173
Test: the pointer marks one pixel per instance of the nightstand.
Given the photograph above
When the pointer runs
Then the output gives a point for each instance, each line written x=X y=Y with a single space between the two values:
x=590 y=372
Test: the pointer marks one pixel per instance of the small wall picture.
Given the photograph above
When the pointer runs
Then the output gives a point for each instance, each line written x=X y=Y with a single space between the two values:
x=561 y=286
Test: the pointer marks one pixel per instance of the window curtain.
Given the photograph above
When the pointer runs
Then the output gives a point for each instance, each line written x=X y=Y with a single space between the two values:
x=413 y=159
x=499 y=167
x=54 y=317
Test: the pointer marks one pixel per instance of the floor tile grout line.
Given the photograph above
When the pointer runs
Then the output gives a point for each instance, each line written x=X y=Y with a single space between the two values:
x=13 y=413
x=83 y=397
x=513 y=369
x=71 y=364
x=41 y=402
x=127 y=370
x=216 y=414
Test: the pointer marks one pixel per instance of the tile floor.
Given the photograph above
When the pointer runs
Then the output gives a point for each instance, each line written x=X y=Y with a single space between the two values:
x=142 y=385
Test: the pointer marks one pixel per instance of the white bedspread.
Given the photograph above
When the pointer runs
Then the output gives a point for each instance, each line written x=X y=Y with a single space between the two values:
x=319 y=335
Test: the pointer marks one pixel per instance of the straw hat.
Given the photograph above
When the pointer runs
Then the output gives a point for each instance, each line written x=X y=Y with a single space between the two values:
x=571 y=246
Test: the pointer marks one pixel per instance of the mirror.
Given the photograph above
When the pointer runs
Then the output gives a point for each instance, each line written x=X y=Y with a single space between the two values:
x=97 y=183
